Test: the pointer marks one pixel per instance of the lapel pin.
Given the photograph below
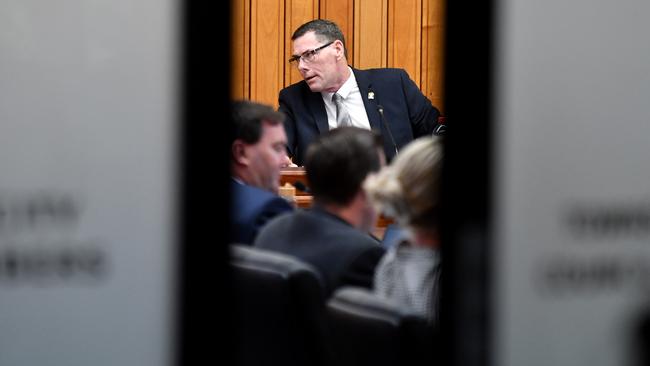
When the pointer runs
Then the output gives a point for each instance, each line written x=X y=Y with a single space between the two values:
x=371 y=95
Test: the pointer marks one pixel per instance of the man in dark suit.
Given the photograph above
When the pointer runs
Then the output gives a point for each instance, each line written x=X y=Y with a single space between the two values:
x=333 y=235
x=256 y=157
x=333 y=94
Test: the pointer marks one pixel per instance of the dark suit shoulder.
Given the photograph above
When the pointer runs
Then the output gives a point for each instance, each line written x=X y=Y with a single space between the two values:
x=272 y=207
x=303 y=227
x=361 y=270
x=251 y=209
x=294 y=89
x=254 y=194
x=343 y=254
x=382 y=72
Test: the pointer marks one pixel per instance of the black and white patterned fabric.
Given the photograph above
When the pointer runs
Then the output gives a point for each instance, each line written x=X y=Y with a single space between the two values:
x=408 y=276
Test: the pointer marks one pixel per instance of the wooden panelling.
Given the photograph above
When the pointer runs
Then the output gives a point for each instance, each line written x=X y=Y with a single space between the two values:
x=370 y=33
x=298 y=12
x=341 y=12
x=433 y=35
x=404 y=36
x=267 y=50
x=240 y=49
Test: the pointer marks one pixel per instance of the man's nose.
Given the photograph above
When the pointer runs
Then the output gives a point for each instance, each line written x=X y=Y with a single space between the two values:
x=302 y=66
x=285 y=161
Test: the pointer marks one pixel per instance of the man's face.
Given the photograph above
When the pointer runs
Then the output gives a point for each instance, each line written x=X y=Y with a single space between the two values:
x=369 y=213
x=369 y=216
x=321 y=74
x=267 y=157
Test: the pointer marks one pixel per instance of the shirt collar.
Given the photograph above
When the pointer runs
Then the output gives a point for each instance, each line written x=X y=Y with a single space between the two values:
x=345 y=89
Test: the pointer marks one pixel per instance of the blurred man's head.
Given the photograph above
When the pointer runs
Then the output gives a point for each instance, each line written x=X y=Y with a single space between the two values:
x=258 y=145
x=321 y=57
x=338 y=163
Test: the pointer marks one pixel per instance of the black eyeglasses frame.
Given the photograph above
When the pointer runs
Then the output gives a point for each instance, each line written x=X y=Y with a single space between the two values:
x=308 y=54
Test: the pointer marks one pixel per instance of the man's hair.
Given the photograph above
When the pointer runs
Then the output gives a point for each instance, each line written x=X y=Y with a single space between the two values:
x=247 y=118
x=337 y=163
x=325 y=31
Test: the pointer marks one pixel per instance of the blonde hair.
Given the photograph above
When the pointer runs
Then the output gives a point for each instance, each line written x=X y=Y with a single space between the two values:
x=408 y=189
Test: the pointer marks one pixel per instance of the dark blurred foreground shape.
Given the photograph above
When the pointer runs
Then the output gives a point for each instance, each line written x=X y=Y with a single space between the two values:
x=283 y=318
x=279 y=318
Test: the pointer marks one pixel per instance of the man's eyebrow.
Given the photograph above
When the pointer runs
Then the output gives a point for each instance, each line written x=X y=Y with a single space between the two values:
x=296 y=56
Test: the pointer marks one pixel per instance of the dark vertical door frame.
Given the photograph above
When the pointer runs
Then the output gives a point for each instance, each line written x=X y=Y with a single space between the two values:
x=466 y=226
x=204 y=293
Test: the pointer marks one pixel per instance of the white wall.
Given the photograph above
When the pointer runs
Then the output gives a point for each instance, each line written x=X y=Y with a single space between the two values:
x=572 y=255
x=87 y=169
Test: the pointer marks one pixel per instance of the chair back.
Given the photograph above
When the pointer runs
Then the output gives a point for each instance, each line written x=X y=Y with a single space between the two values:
x=368 y=330
x=279 y=307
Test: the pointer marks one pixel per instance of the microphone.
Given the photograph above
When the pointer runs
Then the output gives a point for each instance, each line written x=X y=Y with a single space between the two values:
x=301 y=187
x=380 y=109
x=439 y=130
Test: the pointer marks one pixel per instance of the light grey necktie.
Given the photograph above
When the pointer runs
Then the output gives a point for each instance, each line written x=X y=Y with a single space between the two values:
x=342 y=115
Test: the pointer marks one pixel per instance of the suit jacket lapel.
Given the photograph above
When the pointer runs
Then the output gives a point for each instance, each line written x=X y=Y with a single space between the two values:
x=365 y=88
x=317 y=109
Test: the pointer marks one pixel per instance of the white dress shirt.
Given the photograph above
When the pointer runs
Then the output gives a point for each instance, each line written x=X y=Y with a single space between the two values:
x=349 y=91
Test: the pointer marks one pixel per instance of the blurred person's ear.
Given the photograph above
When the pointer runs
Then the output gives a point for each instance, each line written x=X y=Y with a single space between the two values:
x=239 y=153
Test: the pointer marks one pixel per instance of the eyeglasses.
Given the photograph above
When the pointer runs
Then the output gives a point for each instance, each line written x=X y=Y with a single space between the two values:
x=307 y=56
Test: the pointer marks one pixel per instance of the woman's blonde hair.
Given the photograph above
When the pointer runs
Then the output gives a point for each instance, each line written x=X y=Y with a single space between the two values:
x=408 y=189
